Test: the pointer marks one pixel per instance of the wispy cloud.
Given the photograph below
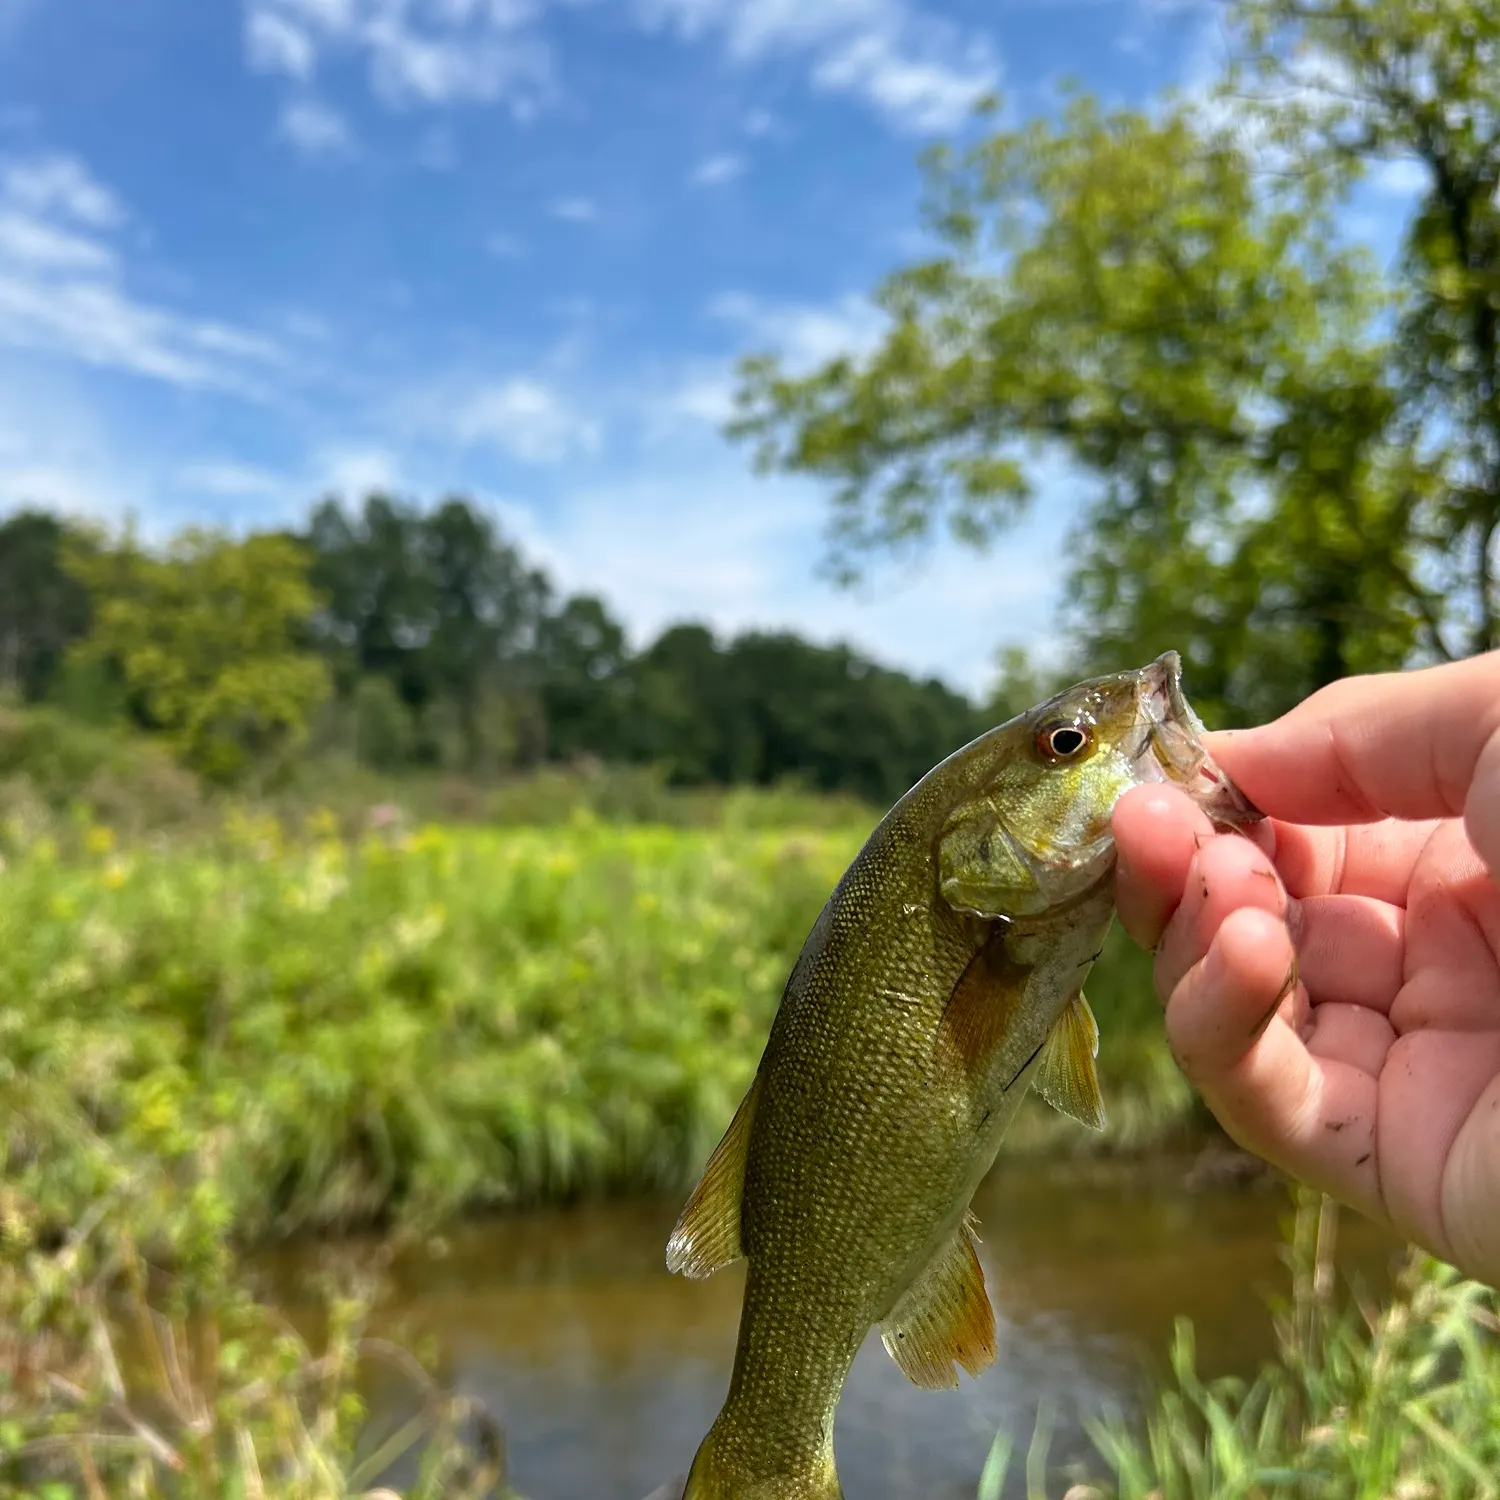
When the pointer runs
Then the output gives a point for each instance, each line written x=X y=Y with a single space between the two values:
x=431 y=52
x=62 y=286
x=920 y=71
x=274 y=45
x=574 y=210
x=355 y=472
x=802 y=334
x=715 y=171
x=650 y=544
x=231 y=479
x=61 y=186
x=525 y=418
x=315 y=131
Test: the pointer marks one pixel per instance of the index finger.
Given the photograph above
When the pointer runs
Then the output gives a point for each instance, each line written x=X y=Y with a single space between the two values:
x=1392 y=745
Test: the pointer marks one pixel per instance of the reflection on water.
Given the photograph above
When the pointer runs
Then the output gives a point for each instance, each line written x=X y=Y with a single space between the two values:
x=606 y=1371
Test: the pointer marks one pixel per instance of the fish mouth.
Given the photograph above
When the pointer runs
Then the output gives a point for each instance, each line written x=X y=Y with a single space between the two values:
x=1171 y=748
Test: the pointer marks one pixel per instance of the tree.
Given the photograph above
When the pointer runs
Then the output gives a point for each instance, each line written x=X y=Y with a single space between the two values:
x=204 y=636
x=437 y=603
x=376 y=608
x=1280 y=492
x=487 y=609
x=684 y=712
x=582 y=667
x=43 y=608
x=1342 y=84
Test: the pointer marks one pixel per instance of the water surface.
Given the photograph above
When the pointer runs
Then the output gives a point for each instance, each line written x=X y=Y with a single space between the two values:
x=606 y=1371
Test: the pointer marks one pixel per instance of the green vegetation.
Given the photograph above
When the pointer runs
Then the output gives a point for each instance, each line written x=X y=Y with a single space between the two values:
x=1397 y=1400
x=118 y=1379
x=1295 y=454
x=203 y=641
x=320 y=1032
x=271 y=1023
x=415 y=646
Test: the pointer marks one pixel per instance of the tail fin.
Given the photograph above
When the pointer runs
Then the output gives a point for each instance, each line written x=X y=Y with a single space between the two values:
x=720 y=1473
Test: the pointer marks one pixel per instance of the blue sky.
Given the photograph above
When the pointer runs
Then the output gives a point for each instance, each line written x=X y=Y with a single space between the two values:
x=252 y=251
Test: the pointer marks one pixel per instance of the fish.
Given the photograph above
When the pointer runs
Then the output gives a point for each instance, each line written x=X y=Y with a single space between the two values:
x=940 y=984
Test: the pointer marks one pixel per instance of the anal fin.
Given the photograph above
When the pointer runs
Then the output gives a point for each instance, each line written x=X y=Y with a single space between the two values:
x=943 y=1317
x=1065 y=1078
x=707 y=1235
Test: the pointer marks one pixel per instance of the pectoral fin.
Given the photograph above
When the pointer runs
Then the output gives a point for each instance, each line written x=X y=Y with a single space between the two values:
x=983 y=1007
x=707 y=1236
x=944 y=1316
x=1065 y=1078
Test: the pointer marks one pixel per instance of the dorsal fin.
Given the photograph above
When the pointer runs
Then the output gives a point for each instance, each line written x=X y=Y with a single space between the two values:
x=707 y=1236
x=943 y=1316
x=1065 y=1077
x=983 y=1004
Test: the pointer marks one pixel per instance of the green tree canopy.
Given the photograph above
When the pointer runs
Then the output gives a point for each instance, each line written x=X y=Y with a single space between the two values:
x=43 y=608
x=205 y=636
x=436 y=602
x=1165 y=299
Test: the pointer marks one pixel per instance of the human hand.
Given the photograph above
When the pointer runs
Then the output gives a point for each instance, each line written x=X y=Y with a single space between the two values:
x=1332 y=982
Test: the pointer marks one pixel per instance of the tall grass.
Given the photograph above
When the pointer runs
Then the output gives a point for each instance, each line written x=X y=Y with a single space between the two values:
x=1362 y=1402
x=332 y=1032
x=118 y=1379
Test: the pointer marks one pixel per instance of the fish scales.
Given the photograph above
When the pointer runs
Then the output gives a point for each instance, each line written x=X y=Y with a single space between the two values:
x=941 y=980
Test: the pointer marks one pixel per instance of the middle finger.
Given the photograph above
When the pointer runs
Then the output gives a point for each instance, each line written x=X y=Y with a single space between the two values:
x=1350 y=949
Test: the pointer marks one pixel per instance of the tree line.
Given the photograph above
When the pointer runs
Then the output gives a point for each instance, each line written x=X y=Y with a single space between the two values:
x=1292 y=452
x=408 y=637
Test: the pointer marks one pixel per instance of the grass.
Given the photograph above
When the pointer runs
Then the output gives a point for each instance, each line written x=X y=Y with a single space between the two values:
x=120 y=1379
x=1362 y=1401
x=326 y=1032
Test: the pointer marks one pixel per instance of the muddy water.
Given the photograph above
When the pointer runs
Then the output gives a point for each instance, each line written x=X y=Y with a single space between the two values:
x=606 y=1371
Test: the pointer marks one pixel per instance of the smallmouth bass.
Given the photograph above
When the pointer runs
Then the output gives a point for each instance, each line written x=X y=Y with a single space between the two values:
x=941 y=981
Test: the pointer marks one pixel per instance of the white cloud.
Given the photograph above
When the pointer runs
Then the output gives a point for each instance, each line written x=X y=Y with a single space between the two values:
x=927 y=94
x=25 y=240
x=275 y=45
x=802 y=335
x=62 y=287
x=920 y=71
x=706 y=541
x=430 y=52
x=759 y=122
x=574 y=210
x=228 y=478
x=707 y=397
x=316 y=131
x=356 y=472
x=524 y=418
x=1401 y=177
x=60 y=185
x=714 y=171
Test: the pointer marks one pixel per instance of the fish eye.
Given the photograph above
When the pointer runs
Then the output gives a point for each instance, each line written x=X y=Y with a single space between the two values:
x=1058 y=743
